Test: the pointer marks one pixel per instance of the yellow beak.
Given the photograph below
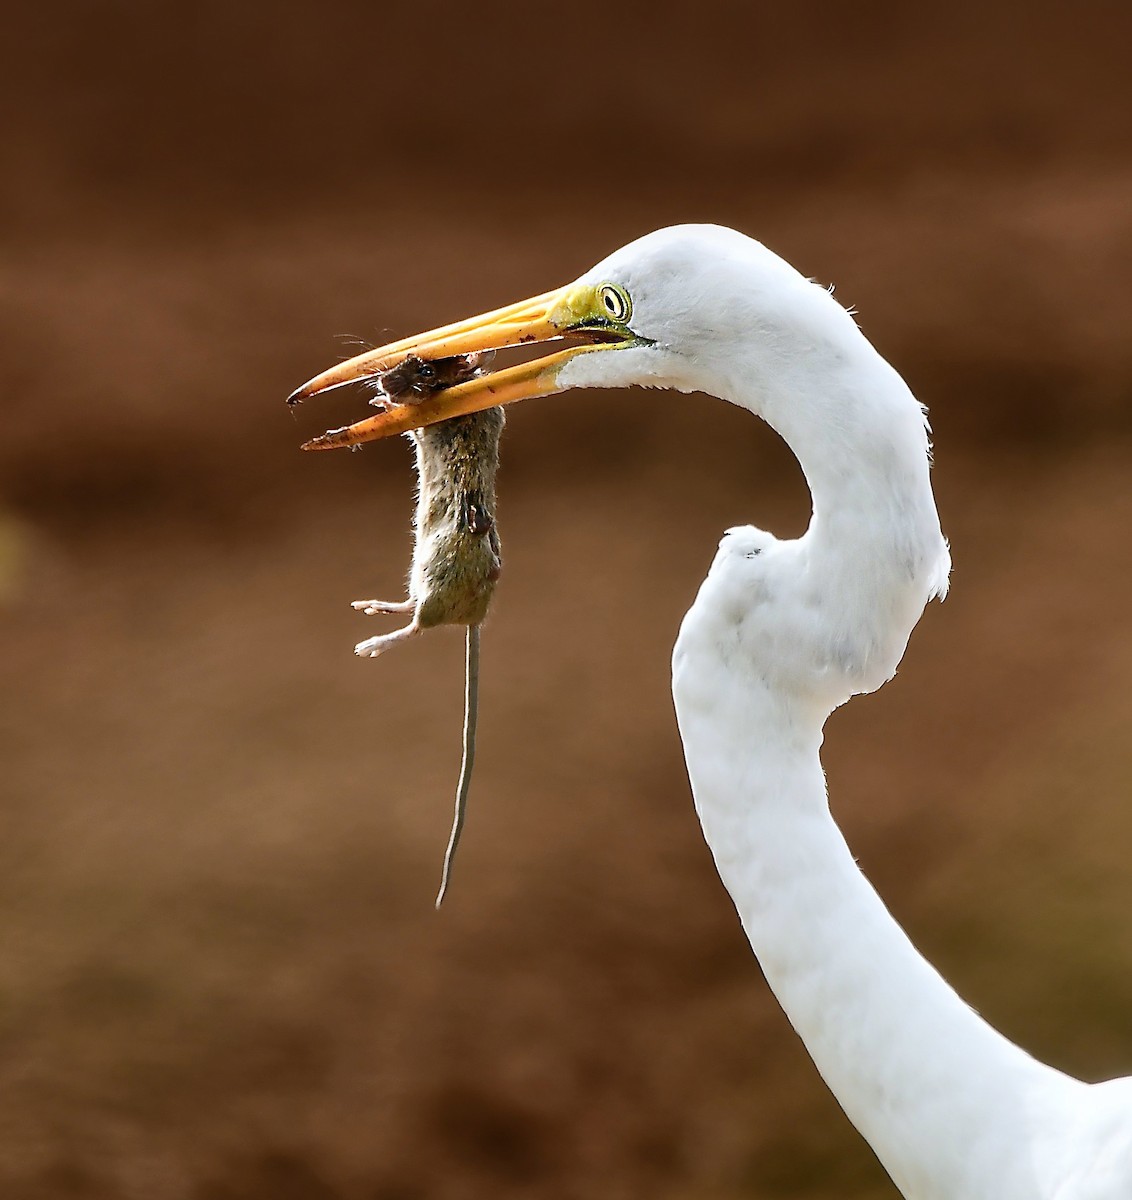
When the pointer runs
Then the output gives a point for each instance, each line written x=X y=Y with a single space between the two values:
x=567 y=312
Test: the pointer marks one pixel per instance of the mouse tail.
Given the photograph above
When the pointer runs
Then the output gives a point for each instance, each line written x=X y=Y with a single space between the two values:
x=471 y=712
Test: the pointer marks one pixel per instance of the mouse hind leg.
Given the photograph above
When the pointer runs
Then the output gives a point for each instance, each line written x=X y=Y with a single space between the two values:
x=374 y=646
x=373 y=608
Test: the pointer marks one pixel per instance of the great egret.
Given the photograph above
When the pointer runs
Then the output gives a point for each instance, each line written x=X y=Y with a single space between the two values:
x=780 y=634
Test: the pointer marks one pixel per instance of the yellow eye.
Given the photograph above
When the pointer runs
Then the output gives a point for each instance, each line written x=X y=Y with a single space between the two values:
x=615 y=301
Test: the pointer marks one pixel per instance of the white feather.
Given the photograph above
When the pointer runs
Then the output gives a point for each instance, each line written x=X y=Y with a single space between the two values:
x=780 y=634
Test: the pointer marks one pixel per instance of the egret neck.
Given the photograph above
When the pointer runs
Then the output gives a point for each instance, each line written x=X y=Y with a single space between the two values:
x=780 y=633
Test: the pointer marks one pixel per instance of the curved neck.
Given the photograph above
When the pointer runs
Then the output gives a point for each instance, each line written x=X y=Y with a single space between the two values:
x=874 y=541
x=917 y=1071
x=951 y=1108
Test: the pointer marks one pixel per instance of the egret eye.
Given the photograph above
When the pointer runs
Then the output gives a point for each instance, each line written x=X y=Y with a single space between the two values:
x=615 y=300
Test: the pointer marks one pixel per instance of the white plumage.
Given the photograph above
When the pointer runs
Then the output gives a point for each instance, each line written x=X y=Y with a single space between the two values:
x=780 y=634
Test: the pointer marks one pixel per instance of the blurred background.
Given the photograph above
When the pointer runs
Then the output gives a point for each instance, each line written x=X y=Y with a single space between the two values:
x=222 y=976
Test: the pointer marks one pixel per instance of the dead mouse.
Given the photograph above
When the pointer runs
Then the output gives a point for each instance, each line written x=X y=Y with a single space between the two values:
x=456 y=560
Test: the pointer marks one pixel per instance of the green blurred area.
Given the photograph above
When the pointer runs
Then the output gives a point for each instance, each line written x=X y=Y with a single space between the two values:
x=221 y=833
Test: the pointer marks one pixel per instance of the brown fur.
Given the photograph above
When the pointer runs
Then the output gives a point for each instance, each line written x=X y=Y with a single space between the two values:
x=456 y=561
x=415 y=378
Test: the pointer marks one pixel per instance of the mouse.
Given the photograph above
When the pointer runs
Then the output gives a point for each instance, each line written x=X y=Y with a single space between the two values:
x=456 y=552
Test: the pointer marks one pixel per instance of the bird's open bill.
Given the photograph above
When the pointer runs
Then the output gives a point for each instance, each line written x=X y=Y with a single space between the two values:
x=593 y=315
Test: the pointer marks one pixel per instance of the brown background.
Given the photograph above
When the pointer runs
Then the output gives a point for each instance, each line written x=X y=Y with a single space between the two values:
x=221 y=974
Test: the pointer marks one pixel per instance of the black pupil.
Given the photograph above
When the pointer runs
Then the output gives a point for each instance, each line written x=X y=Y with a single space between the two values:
x=425 y=371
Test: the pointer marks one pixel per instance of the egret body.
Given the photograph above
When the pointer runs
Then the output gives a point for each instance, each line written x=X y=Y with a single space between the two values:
x=780 y=634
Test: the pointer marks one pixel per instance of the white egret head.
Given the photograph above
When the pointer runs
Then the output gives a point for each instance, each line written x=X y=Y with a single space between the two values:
x=712 y=310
